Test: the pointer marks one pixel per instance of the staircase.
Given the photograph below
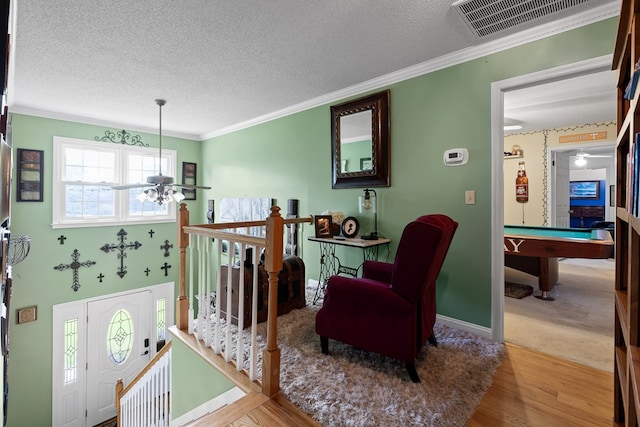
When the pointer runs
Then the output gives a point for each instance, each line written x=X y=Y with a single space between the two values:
x=212 y=335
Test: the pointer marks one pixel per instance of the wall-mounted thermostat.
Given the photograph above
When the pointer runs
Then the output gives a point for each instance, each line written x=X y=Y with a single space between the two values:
x=456 y=157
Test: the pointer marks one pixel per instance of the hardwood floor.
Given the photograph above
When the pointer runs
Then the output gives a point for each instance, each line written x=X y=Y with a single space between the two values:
x=535 y=389
x=529 y=389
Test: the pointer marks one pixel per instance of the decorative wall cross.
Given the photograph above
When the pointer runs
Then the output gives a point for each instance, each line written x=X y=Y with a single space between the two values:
x=62 y=239
x=75 y=265
x=166 y=268
x=121 y=247
x=166 y=247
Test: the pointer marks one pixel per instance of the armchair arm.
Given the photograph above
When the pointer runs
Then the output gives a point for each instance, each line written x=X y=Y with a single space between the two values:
x=364 y=295
x=377 y=270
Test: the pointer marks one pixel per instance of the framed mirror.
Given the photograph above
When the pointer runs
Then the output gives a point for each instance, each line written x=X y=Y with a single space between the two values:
x=360 y=142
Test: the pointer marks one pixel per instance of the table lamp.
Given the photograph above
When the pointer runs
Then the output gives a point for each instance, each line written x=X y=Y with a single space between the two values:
x=368 y=204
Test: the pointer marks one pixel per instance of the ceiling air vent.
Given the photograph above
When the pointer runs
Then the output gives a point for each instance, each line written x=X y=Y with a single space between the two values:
x=488 y=17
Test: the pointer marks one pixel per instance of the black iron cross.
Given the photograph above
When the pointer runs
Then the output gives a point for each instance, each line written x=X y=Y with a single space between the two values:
x=100 y=277
x=166 y=268
x=75 y=265
x=166 y=247
x=62 y=239
x=151 y=232
x=147 y=271
x=121 y=247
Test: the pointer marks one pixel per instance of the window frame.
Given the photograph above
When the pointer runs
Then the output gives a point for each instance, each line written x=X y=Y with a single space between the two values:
x=121 y=215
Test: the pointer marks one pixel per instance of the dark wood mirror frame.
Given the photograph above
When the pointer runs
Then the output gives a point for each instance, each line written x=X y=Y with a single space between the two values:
x=378 y=175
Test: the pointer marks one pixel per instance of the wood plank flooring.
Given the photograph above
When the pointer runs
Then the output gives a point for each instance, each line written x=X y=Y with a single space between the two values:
x=529 y=389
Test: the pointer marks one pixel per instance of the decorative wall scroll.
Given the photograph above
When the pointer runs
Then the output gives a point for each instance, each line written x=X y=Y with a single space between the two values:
x=75 y=265
x=30 y=164
x=121 y=247
x=189 y=171
x=125 y=138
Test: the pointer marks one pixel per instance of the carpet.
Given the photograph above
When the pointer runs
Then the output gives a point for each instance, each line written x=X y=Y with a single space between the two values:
x=351 y=387
x=517 y=290
x=577 y=325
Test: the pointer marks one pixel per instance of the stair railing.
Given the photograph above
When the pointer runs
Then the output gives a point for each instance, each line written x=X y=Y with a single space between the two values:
x=145 y=401
x=195 y=312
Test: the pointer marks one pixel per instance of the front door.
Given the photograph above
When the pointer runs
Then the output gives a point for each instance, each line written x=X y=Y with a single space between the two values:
x=118 y=346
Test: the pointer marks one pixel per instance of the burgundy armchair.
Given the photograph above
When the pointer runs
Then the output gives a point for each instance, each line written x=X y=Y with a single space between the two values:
x=391 y=310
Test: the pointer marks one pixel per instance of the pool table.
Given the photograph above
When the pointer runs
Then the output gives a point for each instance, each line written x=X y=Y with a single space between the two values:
x=535 y=250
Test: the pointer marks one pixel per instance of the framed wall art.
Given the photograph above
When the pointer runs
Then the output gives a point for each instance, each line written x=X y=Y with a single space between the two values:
x=30 y=175
x=189 y=173
x=323 y=225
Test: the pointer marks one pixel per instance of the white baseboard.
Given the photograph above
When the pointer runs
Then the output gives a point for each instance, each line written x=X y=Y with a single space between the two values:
x=226 y=398
x=481 y=331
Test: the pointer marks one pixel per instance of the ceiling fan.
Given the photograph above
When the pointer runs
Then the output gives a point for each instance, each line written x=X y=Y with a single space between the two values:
x=161 y=187
x=581 y=158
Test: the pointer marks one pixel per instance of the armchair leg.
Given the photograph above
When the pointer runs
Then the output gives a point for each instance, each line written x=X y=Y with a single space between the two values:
x=413 y=374
x=324 y=345
x=432 y=340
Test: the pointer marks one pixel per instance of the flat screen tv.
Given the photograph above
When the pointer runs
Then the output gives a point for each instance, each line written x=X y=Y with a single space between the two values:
x=584 y=190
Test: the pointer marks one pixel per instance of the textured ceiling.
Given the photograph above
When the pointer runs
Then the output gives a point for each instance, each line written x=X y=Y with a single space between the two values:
x=222 y=64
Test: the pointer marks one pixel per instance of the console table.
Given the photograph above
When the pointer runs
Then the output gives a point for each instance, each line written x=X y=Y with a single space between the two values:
x=330 y=263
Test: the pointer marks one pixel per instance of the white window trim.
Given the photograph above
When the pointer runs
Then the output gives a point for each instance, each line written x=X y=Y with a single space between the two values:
x=121 y=196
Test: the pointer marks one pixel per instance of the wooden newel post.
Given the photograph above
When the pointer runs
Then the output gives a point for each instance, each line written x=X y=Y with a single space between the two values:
x=119 y=388
x=182 y=303
x=273 y=265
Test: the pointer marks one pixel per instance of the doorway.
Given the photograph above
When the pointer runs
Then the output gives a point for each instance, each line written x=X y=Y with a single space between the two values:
x=100 y=340
x=498 y=90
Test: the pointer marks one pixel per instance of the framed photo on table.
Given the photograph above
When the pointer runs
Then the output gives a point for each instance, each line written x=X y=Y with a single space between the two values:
x=189 y=178
x=323 y=225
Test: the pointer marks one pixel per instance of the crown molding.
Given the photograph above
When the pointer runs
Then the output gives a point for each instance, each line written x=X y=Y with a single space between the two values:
x=16 y=109
x=537 y=33
x=579 y=20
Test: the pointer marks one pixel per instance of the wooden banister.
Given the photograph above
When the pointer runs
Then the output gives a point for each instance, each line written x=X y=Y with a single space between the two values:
x=273 y=265
x=273 y=242
x=182 y=304
x=121 y=390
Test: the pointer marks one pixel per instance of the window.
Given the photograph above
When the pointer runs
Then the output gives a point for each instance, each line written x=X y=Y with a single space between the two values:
x=70 y=351
x=85 y=171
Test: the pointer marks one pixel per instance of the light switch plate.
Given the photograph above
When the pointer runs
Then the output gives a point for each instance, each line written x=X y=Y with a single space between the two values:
x=470 y=197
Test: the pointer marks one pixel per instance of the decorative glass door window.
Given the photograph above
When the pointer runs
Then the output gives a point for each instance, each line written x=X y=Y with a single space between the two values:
x=120 y=336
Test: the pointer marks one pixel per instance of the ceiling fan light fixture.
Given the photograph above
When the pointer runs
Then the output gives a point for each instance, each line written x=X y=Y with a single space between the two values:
x=580 y=161
x=160 y=188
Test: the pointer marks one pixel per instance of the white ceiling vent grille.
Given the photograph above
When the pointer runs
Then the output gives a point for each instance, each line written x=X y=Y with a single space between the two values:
x=487 y=17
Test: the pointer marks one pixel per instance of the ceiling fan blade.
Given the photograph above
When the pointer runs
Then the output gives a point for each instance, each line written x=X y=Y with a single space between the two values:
x=192 y=187
x=128 y=186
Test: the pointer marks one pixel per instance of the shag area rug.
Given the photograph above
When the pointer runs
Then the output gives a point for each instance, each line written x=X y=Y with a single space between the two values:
x=351 y=387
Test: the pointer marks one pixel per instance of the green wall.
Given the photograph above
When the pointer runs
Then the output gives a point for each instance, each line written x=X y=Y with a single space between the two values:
x=193 y=381
x=35 y=282
x=290 y=158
